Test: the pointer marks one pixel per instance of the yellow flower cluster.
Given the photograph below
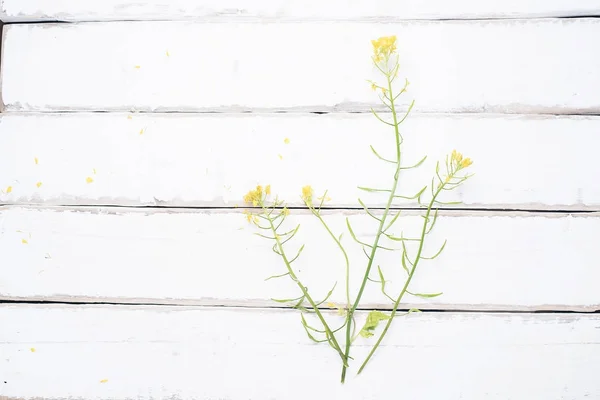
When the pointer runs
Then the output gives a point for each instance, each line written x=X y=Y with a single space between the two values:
x=307 y=194
x=458 y=160
x=383 y=48
x=257 y=196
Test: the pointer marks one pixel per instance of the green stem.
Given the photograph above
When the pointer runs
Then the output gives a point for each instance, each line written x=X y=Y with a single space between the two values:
x=305 y=293
x=410 y=276
x=377 y=236
x=318 y=215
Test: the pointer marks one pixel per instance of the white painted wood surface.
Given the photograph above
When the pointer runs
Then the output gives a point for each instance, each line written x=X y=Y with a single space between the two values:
x=103 y=10
x=516 y=66
x=196 y=160
x=509 y=262
x=199 y=353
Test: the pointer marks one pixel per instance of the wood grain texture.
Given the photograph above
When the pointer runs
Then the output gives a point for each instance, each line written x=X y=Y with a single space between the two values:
x=466 y=66
x=521 y=162
x=199 y=353
x=511 y=262
x=106 y=10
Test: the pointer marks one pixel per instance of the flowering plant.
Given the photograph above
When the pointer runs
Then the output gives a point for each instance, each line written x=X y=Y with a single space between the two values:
x=270 y=213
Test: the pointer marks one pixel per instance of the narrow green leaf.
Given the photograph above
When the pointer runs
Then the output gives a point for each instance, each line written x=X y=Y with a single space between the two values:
x=417 y=164
x=425 y=295
x=392 y=221
x=301 y=298
x=277 y=276
x=310 y=336
x=383 y=284
x=366 y=189
x=404 y=263
x=297 y=254
x=412 y=197
x=436 y=254
x=400 y=239
x=448 y=202
x=328 y=295
x=367 y=210
x=381 y=158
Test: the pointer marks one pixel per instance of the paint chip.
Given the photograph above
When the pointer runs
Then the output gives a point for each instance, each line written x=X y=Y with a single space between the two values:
x=104 y=381
x=39 y=184
x=286 y=141
x=32 y=349
x=24 y=241
x=36 y=160
x=89 y=179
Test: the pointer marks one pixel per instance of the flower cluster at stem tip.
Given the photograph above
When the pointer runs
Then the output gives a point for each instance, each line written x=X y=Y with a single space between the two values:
x=458 y=160
x=383 y=48
x=307 y=194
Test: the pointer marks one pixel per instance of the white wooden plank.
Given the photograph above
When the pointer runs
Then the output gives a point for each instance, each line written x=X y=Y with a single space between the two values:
x=194 y=160
x=476 y=66
x=106 y=10
x=161 y=353
x=514 y=261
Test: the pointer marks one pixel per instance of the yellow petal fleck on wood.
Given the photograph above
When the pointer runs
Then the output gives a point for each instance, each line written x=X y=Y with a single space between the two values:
x=89 y=179
x=32 y=349
x=39 y=184
x=24 y=241
x=9 y=189
x=104 y=381
x=286 y=141
x=36 y=161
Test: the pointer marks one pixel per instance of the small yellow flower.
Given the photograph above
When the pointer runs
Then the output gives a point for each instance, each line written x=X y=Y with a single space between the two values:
x=268 y=189
x=331 y=305
x=286 y=141
x=373 y=86
x=383 y=91
x=89 y=179
x=307 y=194
x=285 y=211
x=466 y=162
x=39 y=184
